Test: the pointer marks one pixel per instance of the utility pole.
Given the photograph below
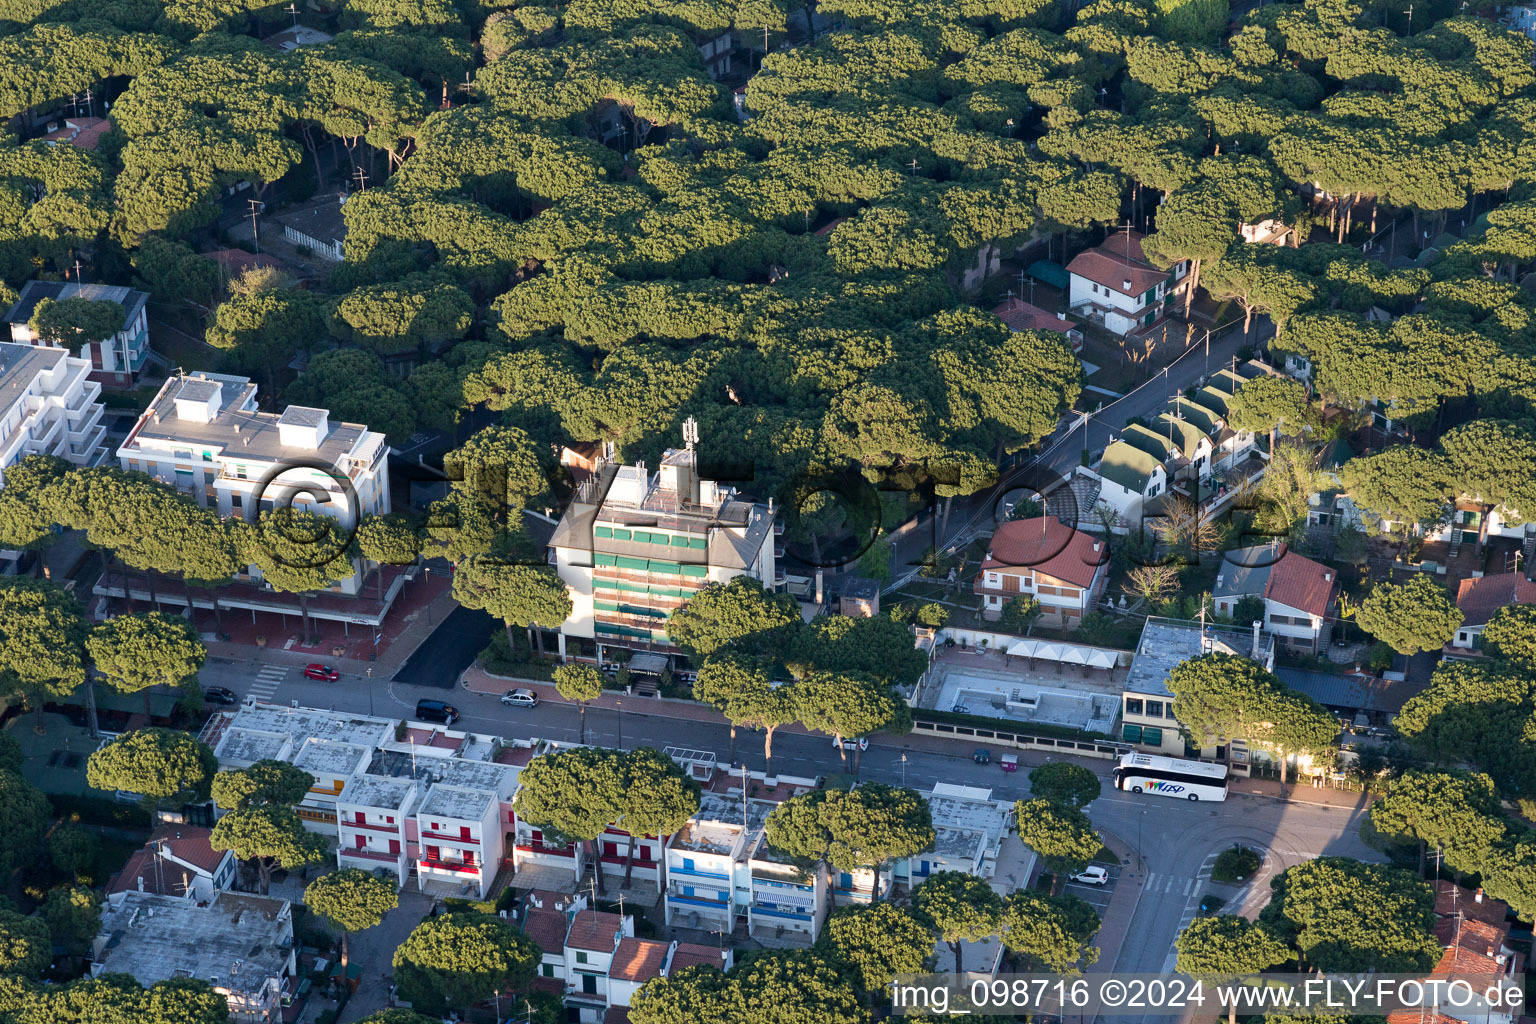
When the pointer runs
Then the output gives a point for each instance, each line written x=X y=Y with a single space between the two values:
x=361 y=177
x=1409 y=12
x=90 y=109
x=913 y=166
x=255 y=205
x=466 y=88
x=293 y=9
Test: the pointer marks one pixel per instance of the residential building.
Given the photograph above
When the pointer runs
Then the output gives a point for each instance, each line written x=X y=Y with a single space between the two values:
x=177 y=861
x=318 y=226
x=590 y=945
x=1114 y=286
x=333 y=745
x=1264 y=232
x=713 y=864
x=48 y=406
x=1146 y=713
x=1298 y=593
x=1025 y=316
x=1363 y=700
x=634 y=546
x=1063 y=568
x=1129 y=477
x=788 y=900
x=546 y=918
x=1473 y=932
x=295 y=36
x=1481 y=598
x=717 y=55
x=242 y=945
x=80 y=132
x=635 y=962
x=204 y=434
x=376 y=826
x=1521 y=18
x=115 y=361
x=969 y=827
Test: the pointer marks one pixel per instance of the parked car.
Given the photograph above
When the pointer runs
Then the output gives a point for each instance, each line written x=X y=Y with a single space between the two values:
x=324 y=673
x=1093 y=874
x=220 y=695
x=852 y=743
x=520 y=698
x=436 y=711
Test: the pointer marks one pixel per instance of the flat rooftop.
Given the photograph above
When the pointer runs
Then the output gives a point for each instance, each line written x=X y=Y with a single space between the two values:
x=707 y=837
x=20 y=363
x=237 y=735
x=1166 y=643
x=237 y=942
x=330 y=758
x=491 y=776
x=364 y=790
x=456 y=802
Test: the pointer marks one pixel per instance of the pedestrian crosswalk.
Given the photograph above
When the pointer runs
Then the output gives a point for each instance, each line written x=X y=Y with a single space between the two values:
x=266 y=682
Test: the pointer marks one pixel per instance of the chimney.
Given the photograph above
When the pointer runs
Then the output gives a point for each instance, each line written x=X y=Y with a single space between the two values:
x=1327 y=577
x=1061 y=315
x=1477 y=897
x=1256 y=626
x=1127 y=284
x=818 y=587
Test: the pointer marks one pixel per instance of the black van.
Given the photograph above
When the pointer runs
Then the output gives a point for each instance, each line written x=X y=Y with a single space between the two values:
x=436 y=711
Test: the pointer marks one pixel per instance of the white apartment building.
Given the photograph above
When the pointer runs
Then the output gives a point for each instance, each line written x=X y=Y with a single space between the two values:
x=634 y=546
x=590 y=945
x=375 y=824
x=48 y=406
x=333 y=746
x=115 y=361
x=204 y=435
x=242 y=945
x=969 y=827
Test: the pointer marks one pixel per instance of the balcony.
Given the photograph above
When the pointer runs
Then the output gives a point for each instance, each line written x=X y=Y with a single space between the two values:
x=698 y=901
x=370 y=826
x=804 y=916
x=452 y=867
x=447 y=838
x=379 y=855
x=718 y=876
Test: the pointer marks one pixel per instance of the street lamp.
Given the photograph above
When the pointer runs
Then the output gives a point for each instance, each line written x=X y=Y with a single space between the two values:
x=619 y=710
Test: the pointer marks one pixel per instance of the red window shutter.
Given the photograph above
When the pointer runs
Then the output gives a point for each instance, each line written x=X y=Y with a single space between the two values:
x=464 y=832
x=362 y=819
x=362 y=842
x=394 y=846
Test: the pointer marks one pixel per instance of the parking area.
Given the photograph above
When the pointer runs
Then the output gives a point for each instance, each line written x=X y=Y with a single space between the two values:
x=1096 y=895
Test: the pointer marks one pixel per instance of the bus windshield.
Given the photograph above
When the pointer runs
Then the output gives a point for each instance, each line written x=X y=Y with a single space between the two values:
x=1168 y=776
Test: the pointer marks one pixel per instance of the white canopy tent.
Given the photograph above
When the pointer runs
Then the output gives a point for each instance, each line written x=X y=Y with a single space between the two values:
x=1067 y=654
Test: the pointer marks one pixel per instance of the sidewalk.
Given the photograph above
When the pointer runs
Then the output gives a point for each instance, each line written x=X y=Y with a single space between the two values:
x=1122 y=903
x=1302 y=793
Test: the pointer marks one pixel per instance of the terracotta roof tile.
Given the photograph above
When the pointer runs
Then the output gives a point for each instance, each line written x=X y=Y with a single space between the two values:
x=1479 y=937
x=638 y=959
x=595 y=931
x=1299 y=582
x=191 y=844
x=1480 y=598
x=1424 y=1016
x=1049 y=546
x=1112 y=270
x=691 y=954
x=547 y=929
x=1451 y=899
x=1022 y=316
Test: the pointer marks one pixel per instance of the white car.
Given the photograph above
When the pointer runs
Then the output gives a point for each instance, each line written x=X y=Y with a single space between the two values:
x=852 y=743
x=520 y=698
x=1093 y=874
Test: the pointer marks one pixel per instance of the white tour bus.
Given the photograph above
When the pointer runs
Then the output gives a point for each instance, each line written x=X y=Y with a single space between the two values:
x=1170 y=776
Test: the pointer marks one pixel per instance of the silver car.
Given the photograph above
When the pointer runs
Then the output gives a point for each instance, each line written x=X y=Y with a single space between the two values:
x=520 y=698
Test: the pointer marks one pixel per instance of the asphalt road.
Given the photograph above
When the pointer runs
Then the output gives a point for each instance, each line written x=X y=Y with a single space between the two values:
x=450 y=649
x=1175 y=842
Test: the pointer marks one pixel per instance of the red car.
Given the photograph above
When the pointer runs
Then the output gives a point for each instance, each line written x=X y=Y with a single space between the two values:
x=324 y=673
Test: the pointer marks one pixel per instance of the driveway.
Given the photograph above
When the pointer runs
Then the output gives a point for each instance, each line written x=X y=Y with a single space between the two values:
x=374 y=951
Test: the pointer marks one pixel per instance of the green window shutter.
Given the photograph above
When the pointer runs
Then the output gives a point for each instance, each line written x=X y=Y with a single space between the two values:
x=627 y=562
x=670 y=568
x=1152 y=737
x=697 y=543
x=695 y=570
x=620 y=534
x=601 y=559
x=602 y=531
x=605 y=606
x=1132 y=734
x=642 y=537
x=679 y=541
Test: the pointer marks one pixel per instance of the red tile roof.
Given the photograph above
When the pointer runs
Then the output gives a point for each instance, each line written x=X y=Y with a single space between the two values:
x=81 y=132
x=691 y=954
x=1049 y=546
x=638 y=960
x=1452 y=899
x=191 y=844
x=547 y=928
x=595 y=931
x=1299 y=582
x=1480 y=598
x=1112 y=270
x=1022 y=316
x=1424 y=1016
x=616 y=1015
x=1478 y=937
